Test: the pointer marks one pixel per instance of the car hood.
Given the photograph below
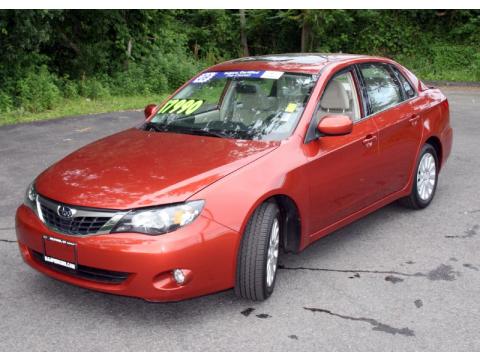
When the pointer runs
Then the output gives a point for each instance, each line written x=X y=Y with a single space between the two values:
x=136 y=168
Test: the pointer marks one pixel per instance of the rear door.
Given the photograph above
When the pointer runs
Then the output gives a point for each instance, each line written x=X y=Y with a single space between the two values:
x=391 y=105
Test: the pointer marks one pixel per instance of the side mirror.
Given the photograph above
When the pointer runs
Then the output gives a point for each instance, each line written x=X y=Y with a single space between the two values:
x=149 y=109
x=335 y=125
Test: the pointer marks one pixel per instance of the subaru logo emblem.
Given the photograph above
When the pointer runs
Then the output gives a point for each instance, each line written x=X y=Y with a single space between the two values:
x=65 y=212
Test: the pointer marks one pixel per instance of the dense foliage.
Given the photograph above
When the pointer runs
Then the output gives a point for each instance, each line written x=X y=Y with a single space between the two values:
x=50 y=55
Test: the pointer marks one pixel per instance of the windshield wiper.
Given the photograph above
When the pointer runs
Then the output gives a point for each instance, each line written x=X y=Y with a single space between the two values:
x=180 y=129
x=203 y=132
x=155 y=126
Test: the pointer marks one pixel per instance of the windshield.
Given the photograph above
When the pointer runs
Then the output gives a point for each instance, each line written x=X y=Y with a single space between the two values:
x=260 y=105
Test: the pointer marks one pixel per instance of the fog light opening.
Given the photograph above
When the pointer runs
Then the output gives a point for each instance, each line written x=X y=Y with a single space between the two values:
x=179 y=276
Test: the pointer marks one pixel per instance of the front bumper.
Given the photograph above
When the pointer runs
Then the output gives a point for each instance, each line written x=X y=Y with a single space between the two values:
x=205 y=249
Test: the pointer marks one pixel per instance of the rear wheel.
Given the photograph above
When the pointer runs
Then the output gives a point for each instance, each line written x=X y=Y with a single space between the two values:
x=425 y=181
x=257 y=261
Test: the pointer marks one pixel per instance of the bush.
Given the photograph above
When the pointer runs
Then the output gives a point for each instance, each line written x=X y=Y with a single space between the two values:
x=6 y=103
x=93 y=88
x=444 y=62
x=455 y=62
x=70 y=89
x=38 y=91
x=177 y=68
x=133 y=81
x=154 y=75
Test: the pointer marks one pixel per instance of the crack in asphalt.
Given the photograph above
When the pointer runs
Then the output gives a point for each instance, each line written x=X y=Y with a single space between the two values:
x=377 y=325
x=7 y=241
x=472 y=211
x=441 y=272
x=283 y=267
x=7 y=228
x=469 y=233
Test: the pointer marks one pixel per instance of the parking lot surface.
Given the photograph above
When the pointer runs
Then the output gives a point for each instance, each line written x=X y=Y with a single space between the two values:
x=395 y=280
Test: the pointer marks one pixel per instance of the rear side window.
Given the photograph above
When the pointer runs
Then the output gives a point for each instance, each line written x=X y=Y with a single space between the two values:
x=408 y=89
x=382 y=87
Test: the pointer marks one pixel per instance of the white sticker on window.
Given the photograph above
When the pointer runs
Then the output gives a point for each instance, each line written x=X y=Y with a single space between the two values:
x=272 y=75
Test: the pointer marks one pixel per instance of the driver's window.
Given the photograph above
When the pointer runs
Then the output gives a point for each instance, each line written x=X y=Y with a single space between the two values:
x=340 y=97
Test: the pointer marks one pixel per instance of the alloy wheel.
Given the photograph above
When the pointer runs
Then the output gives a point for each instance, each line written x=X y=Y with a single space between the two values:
x=272 y=256
x=426 y=176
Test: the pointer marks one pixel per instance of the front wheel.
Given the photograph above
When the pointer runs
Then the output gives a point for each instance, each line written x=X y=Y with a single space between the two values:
x=257 y=260
x=425 y=181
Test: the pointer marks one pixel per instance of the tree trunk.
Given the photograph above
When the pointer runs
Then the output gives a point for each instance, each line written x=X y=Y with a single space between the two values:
x=128 y=54
x=306 y=32
x=69 y=43
x=196 y=49
x=243 y=33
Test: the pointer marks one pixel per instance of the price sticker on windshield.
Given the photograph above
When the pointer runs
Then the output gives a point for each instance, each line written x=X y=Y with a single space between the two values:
x=181 y=106
x=291 y=107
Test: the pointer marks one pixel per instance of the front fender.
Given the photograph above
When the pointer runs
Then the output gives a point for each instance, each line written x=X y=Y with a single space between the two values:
x=233 y=199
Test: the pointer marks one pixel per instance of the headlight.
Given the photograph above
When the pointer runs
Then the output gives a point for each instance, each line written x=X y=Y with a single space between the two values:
x=31 y=197
x=160 y=220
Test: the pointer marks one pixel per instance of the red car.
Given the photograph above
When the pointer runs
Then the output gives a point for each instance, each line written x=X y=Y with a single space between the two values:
x=250 y=157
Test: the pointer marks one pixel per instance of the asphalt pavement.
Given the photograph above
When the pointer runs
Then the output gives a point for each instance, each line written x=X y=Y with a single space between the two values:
x=395 y=280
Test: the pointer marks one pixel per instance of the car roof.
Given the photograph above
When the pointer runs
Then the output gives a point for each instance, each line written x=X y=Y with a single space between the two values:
x=310 y=63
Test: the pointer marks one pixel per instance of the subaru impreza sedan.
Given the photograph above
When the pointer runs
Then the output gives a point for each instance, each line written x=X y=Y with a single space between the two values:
x=251 y=158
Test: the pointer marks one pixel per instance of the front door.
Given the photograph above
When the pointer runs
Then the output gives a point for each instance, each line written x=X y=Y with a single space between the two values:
x=342 y=170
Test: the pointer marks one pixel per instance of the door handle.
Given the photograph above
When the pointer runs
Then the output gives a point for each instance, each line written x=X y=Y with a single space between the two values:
x=369 y=140
x=414 y=119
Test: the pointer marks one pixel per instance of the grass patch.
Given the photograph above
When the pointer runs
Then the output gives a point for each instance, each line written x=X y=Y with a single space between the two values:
x=82 y=106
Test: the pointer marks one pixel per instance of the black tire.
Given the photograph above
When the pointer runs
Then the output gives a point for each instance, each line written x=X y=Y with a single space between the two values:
x=251 y=278
x=414 y=201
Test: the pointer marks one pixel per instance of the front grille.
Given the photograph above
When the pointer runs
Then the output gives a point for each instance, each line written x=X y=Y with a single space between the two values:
x=83 y=225
x=84 y=272
x=83 y=221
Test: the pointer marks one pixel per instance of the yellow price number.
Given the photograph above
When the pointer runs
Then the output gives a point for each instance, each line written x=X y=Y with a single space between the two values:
x=181 y=106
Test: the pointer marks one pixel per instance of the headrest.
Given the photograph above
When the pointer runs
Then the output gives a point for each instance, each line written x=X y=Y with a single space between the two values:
x=246 y=88
x=335 y=97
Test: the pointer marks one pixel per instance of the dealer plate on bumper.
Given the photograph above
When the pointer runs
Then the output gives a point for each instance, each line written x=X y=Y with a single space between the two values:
x=60 y=252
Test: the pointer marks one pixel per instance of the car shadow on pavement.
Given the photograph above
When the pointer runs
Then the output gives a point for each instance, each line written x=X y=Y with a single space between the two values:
x=95 y=304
